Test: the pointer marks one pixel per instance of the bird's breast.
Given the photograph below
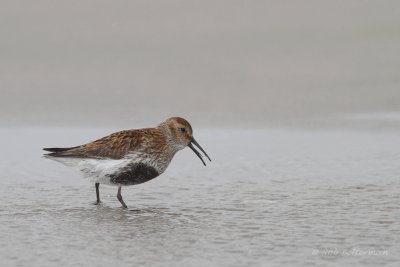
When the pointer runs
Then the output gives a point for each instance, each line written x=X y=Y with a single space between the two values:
x=139 y=168
x=133 y=173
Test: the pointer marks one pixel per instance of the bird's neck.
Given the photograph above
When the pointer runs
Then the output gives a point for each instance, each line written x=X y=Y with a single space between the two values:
x=170 y=138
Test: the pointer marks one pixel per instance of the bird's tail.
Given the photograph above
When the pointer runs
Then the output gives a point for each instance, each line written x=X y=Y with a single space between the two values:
x=59 y=149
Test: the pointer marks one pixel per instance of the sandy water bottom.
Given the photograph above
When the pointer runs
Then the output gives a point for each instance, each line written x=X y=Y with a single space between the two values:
x=269 y=198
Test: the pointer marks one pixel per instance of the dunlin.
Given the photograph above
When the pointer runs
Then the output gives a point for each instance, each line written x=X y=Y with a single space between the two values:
x=129 y=157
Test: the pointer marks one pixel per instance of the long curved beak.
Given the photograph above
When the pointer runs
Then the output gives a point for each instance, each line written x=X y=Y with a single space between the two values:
x=193 y=142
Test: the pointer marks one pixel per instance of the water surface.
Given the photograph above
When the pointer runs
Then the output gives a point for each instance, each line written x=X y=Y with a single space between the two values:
x=270 y=197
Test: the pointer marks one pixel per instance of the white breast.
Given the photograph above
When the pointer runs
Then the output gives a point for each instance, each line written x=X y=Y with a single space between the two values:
x=98 y=170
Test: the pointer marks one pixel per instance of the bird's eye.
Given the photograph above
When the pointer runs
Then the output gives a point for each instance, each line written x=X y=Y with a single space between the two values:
x=182 y=130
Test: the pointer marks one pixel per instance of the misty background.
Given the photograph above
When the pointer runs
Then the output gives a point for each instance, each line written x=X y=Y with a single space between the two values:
x=216 y=63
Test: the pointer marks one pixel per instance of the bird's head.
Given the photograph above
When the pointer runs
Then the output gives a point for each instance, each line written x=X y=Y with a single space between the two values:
x=180 y=135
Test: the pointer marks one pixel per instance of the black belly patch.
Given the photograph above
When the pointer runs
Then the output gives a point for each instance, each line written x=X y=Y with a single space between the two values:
x=134 y=173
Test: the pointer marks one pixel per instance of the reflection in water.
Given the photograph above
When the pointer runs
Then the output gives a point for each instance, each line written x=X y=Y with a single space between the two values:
x=133 y=223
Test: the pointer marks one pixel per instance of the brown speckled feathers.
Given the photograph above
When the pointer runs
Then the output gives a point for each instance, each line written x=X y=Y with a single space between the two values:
x=114 y=146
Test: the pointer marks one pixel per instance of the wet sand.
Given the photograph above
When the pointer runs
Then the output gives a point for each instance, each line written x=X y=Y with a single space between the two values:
x=270 y=197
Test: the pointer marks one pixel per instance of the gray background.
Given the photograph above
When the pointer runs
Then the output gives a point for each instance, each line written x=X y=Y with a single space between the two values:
x=232 y=63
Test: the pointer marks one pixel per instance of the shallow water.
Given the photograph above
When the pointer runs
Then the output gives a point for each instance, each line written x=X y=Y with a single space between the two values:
x=270 y=197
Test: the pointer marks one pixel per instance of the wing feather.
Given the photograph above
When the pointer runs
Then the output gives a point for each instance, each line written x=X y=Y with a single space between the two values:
x=114 y=146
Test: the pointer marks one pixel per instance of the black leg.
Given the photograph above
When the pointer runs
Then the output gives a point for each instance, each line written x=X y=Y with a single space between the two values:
x=97 y=193
x=119 y=196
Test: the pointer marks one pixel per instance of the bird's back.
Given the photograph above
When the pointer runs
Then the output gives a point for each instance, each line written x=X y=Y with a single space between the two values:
x=113 y=146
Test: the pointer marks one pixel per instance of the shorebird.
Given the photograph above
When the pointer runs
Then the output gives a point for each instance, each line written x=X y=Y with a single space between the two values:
x=129 y=157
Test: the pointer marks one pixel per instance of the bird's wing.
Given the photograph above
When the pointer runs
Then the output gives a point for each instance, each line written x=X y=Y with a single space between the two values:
x=114 y=146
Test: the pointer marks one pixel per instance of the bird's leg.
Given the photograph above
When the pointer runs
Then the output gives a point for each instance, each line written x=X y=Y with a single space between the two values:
x=97 y=193
x=119 y=196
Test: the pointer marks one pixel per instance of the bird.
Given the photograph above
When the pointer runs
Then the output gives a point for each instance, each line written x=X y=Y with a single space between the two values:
x=129 y=157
